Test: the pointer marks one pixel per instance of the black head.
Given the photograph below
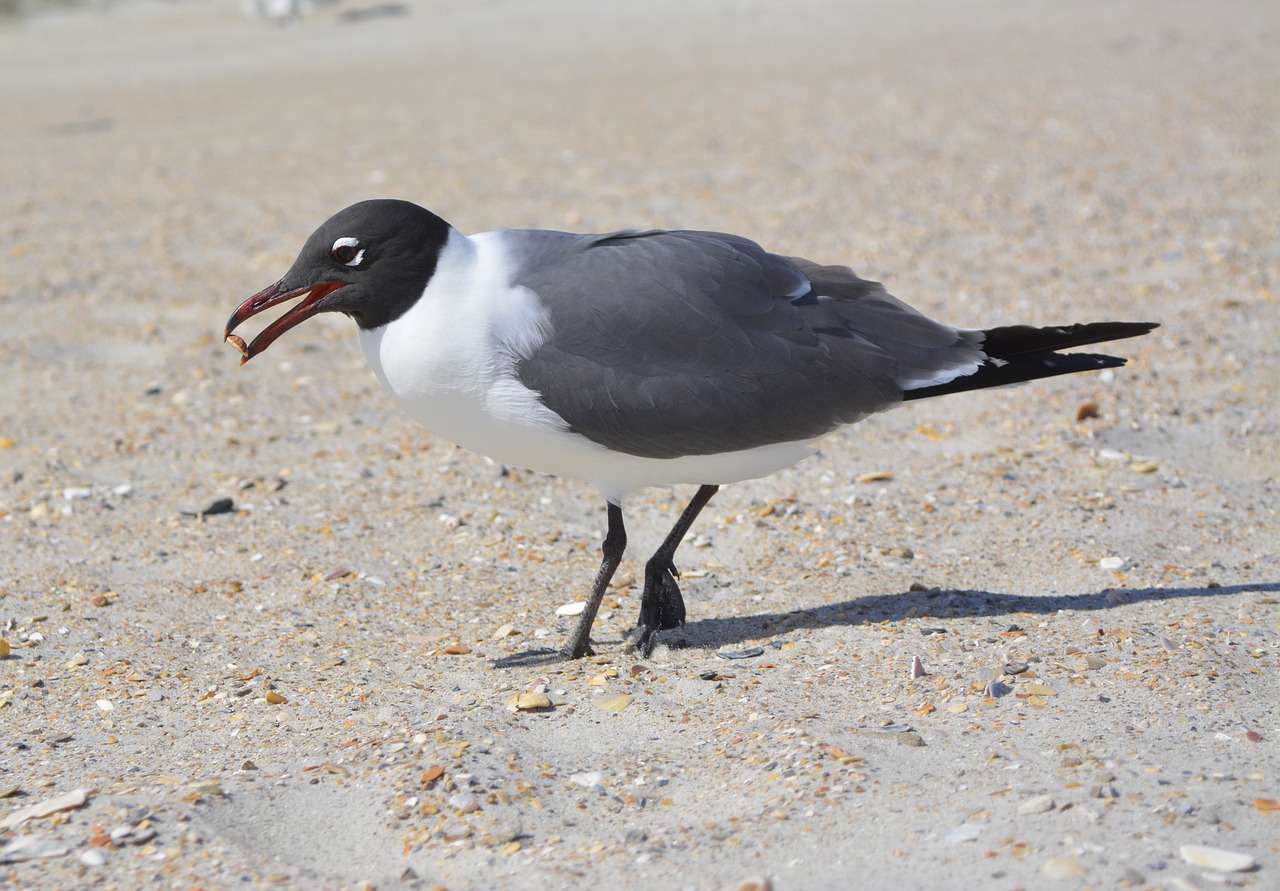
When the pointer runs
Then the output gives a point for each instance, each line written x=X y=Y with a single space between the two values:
x=370 y=261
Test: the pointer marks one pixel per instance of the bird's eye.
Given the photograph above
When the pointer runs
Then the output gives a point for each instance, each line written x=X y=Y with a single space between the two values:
x=348 y=251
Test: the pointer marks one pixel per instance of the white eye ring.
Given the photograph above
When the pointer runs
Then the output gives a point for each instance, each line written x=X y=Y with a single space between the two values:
x=348 y=251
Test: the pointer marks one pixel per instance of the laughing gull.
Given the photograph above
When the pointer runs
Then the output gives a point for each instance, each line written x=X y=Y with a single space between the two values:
x=636 y=359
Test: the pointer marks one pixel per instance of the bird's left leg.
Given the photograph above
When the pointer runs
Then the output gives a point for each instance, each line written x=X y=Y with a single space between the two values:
x=615 y=543
x=662 y=605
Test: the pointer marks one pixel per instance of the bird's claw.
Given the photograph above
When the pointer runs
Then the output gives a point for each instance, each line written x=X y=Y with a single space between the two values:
x=661 y=606
x=569 y=652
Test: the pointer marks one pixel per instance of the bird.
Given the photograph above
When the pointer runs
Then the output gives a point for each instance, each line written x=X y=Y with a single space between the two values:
x=636 y=358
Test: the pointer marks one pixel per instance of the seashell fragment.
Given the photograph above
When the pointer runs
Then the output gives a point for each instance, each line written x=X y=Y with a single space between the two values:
x=614 y=702
x=528 y=702
x=1062 y=868
x=1216 y=858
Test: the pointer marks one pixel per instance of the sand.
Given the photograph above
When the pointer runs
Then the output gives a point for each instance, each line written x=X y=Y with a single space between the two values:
x=305 y=691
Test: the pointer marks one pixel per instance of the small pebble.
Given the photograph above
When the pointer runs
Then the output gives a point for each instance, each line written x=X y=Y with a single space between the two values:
x=93 y=857
x=220 y=506
x=1111 y=563
x=1038 y=804
x=464 y=802
x=571 y=609
x=590 y=779
x=917 y=668
x=1132 y=877
x=965 y=832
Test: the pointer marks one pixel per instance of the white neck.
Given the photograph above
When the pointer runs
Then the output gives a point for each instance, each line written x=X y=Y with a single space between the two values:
x=449 y=361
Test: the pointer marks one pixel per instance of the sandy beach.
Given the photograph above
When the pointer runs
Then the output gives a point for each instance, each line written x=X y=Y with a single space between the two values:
x=307 y=690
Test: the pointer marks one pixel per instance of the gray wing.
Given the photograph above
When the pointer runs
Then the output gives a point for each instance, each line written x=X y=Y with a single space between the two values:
x=665 y=344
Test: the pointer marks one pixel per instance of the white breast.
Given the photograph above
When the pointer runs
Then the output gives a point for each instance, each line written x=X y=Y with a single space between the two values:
x=449 y=360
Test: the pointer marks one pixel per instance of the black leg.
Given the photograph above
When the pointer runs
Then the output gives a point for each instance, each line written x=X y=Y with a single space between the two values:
x=661 y=605
x=615 y=542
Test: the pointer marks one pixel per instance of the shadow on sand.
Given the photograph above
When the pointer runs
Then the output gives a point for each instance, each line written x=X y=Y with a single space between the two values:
x=937 y=604
x=717 y=633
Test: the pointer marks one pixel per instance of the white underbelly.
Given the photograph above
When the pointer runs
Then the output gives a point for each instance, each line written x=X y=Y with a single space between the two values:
x=501 y=419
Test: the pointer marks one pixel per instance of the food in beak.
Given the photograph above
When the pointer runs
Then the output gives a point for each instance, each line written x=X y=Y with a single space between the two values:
x=238 y=342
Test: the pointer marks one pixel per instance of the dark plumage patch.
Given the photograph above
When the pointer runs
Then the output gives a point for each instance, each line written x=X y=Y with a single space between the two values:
x=1022 y=353
x=664 y=344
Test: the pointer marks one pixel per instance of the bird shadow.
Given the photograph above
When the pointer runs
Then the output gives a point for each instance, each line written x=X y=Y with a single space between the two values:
x=932 y=604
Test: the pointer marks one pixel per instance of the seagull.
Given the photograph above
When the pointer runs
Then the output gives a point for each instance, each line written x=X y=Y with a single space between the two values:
x=636 y=358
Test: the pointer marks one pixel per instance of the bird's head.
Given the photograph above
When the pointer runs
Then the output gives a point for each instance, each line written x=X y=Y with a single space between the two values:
x=370 y=261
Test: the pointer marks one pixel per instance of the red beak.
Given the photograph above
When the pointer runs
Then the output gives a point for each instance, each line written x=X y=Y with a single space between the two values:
x=267 y=298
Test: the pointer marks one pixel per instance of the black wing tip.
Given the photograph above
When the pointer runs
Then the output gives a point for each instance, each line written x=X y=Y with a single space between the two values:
x=1019 y=370
x=1132 y=329
x=1011 y=341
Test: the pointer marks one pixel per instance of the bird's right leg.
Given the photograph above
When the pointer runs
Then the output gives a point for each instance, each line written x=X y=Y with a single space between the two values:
x=615 y=543
x=661 y=604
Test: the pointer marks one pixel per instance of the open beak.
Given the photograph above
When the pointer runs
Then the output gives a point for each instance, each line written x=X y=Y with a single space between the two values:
x=267 y=298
